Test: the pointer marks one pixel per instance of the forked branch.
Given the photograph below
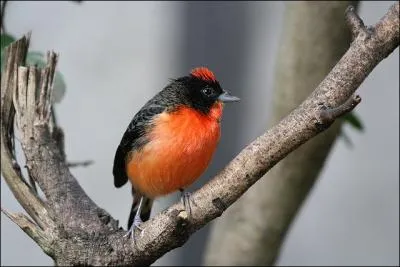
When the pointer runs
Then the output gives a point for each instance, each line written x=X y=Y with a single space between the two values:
x=82 y=233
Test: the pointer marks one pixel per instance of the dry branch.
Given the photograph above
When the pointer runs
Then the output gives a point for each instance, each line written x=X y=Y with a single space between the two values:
x=30 y=228
x=314 y=37
x=10 y=169
x=85 y=234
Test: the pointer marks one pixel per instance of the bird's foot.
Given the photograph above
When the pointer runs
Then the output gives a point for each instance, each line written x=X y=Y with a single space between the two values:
x=137 y=221
x=186 y=201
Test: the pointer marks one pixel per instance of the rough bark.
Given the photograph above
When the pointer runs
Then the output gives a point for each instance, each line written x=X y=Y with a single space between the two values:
x=89 y=235
x=251 y=233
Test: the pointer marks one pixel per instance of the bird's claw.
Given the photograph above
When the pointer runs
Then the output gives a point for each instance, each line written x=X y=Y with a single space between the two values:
x=137 y=221
x=186 y=200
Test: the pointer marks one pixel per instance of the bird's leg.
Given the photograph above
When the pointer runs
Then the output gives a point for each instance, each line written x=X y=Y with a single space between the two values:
x=186 y=199
x=136 y=222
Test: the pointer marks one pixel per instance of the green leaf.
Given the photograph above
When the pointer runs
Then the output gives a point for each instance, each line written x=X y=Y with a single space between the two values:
x=346 y=139
x=352 y=119
x=36 y=54
x=59 y=88
x=1 y=60
x=36 y=58
x=6 y=39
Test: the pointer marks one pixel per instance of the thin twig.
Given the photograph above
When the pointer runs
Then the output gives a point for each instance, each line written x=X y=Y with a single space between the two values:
x=328 y=115
x=30 y=228
x=33 y=184
x=355 y=23
x=80 y=163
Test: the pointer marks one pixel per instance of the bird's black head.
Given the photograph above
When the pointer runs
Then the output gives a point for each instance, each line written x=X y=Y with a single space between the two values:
x=201 y=90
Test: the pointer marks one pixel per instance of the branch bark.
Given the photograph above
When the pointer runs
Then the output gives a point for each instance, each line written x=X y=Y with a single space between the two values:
x=85 y=234
x=314 y=37
x=34 y=206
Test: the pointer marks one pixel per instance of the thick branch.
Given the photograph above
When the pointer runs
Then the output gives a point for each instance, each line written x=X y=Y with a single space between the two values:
x=41 y=144
x=242 y=236
x=252 y=231
x=15 y=55
x=66 y=201
x=88 y=241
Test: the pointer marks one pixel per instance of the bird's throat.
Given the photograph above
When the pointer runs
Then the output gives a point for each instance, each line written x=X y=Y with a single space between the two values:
x=216 y=111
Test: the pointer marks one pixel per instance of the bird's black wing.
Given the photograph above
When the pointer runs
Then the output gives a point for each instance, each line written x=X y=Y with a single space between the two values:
x=135 y=137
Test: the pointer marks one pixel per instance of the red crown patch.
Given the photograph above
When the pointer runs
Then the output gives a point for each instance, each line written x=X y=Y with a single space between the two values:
x=203 y=73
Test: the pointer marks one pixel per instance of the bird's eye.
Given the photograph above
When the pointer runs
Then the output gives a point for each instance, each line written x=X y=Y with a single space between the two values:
x=207 y=91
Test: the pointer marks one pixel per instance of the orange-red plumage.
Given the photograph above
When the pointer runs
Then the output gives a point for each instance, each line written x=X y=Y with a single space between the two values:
x=180 y=148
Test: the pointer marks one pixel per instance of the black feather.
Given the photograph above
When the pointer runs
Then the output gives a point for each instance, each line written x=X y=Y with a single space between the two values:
x=134 y=138
x=120 y=177
x=146 y=209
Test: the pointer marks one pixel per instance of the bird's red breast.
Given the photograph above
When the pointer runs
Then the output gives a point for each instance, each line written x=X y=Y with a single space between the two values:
x=180 y=149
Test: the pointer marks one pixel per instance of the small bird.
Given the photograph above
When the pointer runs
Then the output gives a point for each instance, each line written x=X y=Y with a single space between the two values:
x=170 y=142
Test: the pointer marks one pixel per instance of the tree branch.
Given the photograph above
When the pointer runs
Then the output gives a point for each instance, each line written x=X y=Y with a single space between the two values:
x=31 y=229
x=242 y=236
x=15 y=55
x=354 y=22
x=87 y=235
x=325 y=116
x=84 y=163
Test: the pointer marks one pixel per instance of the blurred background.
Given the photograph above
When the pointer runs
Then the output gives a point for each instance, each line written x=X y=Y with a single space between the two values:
x=114 y=56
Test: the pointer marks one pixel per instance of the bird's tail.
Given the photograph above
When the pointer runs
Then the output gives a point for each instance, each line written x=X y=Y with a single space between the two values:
x=146 y=208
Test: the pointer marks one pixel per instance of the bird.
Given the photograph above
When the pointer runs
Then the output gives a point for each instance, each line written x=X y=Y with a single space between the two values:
x=170 y=141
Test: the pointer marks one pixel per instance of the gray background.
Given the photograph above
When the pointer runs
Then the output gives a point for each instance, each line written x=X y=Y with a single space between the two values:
x=116 y=55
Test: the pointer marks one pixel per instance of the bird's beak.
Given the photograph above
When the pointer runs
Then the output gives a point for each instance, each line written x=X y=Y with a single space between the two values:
x=227 y=97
